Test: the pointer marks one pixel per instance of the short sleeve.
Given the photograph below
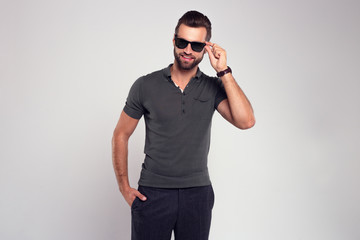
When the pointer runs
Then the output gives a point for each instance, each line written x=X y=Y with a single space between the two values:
x=221 y=93
x=133 y=106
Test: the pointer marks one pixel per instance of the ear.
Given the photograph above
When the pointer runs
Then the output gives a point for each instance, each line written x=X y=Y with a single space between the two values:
x=173 y=40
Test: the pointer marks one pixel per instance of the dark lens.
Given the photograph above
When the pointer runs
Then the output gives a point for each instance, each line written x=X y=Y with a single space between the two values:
x=181 y=43
x=197 y=46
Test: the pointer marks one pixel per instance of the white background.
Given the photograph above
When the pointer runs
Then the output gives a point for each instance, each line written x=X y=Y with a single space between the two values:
x=66 y=68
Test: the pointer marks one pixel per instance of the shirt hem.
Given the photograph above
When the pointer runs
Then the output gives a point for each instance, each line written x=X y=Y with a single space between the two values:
x=150 y=179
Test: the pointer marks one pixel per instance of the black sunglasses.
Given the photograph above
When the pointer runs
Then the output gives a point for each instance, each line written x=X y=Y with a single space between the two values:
x=182 y=43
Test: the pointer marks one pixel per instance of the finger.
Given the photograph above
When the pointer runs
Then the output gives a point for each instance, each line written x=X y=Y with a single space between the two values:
x=215 y=50
x=210 y=53
x=139 y=195
x=209 y=43
x=217 y=47
x=208 y=49
x=216 y=53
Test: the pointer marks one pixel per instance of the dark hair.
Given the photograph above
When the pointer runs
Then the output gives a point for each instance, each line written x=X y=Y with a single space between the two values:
x=195 y=19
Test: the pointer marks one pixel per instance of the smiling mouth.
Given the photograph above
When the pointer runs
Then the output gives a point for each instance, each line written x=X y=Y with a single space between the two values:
x=188 y=59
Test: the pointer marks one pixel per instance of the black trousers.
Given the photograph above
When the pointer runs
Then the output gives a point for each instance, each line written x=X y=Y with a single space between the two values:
x=187 y=211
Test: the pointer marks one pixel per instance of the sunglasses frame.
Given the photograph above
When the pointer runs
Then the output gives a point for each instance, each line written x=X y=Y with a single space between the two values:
x=200 y=44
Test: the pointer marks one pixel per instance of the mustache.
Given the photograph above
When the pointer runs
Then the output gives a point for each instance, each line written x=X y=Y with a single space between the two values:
x=187 y=55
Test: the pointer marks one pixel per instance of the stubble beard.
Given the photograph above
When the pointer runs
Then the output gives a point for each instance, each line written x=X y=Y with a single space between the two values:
x=186 y=66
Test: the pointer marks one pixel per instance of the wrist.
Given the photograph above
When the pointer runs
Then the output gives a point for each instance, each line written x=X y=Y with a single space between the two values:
x=124 y=188
x=223 y=72
x=220 y=69
x=123 y=183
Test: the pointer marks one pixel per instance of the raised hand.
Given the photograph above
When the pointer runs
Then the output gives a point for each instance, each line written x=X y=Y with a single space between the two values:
x=217 y=56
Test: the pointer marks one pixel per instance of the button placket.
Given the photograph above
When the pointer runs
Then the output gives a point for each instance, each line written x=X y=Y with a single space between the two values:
x=183 y=110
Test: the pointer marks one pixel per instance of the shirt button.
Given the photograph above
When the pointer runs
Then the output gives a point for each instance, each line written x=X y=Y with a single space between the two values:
x=183 y=102
x=183 y=110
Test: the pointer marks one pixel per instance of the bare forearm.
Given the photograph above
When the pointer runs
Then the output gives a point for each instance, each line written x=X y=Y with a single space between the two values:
x=240 y=107
x=120 y=161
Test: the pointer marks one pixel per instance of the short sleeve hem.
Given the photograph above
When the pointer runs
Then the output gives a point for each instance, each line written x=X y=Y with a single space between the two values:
x=219 y=100
x=132 y=113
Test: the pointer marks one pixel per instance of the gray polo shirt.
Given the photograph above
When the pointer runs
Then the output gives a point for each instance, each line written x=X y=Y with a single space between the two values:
x=178 y=126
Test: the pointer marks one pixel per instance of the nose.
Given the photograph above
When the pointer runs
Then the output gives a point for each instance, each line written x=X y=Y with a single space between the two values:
x=188 y=49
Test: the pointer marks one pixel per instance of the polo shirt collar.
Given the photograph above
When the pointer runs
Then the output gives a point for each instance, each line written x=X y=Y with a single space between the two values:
x=168 y=73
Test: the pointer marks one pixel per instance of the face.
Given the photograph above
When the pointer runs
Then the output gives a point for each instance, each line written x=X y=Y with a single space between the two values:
x=187 y=58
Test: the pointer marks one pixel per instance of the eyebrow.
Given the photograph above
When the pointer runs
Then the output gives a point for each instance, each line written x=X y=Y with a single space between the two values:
x=176 y=36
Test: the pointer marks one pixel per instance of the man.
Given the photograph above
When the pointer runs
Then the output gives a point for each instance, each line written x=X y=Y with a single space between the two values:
x=178 y=103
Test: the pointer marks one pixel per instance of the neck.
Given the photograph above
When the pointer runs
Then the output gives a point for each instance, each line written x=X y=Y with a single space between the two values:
x=181 y=74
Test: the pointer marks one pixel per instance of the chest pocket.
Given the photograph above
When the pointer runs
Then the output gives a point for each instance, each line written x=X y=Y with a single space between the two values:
x=202 y=108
